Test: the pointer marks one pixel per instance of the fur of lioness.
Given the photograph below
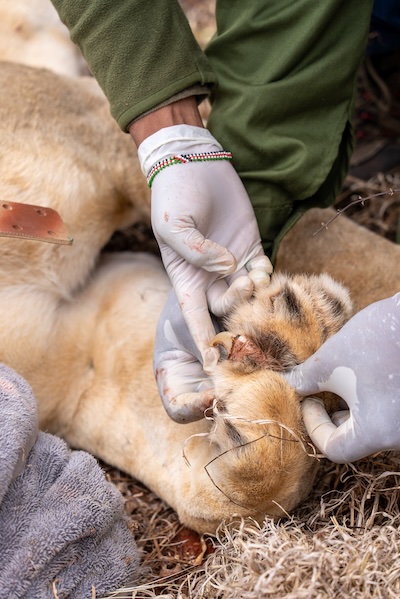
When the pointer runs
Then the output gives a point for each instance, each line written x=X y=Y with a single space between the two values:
x=31 y=33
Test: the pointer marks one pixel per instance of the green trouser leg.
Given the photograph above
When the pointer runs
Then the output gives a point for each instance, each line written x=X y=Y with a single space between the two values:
x=283 y=105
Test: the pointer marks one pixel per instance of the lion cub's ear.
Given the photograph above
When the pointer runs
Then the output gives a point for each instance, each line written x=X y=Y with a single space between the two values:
x=243 y=351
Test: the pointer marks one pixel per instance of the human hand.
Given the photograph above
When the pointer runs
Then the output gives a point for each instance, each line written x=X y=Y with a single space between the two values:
x=361 y=364
x=206 y=229
x=185 y=389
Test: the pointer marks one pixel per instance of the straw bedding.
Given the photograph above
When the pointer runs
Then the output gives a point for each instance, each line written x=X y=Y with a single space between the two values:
x=343 y=541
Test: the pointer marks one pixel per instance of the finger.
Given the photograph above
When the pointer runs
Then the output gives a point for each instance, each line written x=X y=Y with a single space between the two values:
x=193 y=247
x=193 y=304
x=260 y=278
x=298 y=380
x=186 y=391
x=317 y=421
x=221 y=298
x=255 y=265
x=339 y=444
x=340 y=417
x=262 y=263
x=189 y=407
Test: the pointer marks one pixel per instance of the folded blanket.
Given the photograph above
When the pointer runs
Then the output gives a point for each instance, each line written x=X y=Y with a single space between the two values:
x=62 y=525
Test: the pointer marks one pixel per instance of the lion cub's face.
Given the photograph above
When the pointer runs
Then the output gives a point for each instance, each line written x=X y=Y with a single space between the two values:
x=257 y=415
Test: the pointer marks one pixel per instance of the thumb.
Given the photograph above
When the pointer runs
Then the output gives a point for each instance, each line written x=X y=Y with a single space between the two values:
x=338 y=443
x=198 y=320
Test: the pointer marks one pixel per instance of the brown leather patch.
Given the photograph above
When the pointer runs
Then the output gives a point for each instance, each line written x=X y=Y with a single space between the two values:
x=27 y=221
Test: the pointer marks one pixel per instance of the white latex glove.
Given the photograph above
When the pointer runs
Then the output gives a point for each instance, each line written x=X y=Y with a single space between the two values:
x=206 y=229
x=361 y=364
x=185 y=389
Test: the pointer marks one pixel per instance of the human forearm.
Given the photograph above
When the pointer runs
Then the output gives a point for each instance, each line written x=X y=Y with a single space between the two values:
x=141 y=53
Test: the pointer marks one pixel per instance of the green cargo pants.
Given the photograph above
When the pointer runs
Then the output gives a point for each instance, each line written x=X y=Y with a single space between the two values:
x=283 y=104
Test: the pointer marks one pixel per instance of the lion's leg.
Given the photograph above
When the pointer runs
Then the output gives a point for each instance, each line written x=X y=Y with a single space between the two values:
x=97 y=389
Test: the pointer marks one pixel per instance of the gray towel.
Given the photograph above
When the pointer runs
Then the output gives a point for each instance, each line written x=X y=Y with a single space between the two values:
x=62 y=525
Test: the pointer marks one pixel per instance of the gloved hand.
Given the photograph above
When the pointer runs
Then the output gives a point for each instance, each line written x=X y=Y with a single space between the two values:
x=206 y=229
x=185 y=389
x=361 y=364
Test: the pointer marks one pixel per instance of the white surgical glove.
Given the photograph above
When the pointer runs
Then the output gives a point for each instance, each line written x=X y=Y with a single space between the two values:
x=361 y=364
x=185 y=389
x=206 y=229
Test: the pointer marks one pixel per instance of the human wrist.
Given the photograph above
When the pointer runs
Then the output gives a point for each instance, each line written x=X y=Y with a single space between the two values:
x=182 y=111
x=173 y=140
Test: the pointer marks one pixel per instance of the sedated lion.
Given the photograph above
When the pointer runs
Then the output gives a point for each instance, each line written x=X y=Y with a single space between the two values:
x=79 y=323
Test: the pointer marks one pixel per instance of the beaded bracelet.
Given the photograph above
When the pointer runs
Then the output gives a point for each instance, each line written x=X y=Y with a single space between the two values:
x=184 y=158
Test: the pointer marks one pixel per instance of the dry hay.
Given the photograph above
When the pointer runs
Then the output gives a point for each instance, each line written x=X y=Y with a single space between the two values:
x=344 y=541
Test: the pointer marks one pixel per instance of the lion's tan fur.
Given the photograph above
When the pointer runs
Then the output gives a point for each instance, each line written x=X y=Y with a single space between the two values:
x=79 y=324
x=32 y=33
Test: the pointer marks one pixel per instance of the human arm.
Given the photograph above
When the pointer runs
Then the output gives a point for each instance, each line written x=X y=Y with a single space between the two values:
x=141 y=53
x=128 y=83
x=203 y=221
x=361 y=364
x=185 y=388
